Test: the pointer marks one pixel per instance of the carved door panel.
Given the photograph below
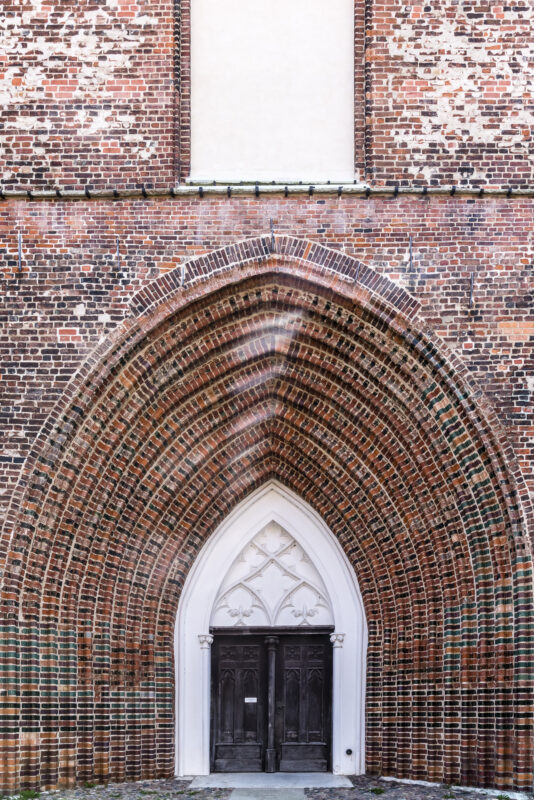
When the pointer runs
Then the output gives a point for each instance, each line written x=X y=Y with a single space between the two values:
x=303 y=705
x=238 y=704
x=271 y=703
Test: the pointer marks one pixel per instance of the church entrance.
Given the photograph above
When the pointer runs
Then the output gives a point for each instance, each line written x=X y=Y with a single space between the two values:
x=271 y=703
x=270 y=646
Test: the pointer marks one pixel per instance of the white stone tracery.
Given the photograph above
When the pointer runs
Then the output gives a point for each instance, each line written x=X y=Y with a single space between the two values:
x=272 y=583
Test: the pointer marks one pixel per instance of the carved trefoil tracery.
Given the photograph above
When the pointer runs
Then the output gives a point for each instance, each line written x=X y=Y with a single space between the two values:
x=272 y=583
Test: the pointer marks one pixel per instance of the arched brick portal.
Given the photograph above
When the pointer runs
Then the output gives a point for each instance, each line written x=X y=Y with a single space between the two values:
x=272 y=362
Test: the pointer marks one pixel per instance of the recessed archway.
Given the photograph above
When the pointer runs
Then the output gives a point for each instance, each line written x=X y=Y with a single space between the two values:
x=271 y=503
x=277 y=359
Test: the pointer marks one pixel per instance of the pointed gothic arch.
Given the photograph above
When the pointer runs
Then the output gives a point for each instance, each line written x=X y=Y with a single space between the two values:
x=272 y=358
x=270 y=503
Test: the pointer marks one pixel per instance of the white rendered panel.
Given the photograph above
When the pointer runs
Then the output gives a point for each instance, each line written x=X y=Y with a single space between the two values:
x=272 y=90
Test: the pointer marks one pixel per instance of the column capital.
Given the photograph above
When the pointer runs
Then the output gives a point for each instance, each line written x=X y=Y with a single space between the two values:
x=205 y=640
x=337 y=639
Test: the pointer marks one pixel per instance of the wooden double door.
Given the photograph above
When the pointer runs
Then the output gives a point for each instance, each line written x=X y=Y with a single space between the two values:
x=271 y=702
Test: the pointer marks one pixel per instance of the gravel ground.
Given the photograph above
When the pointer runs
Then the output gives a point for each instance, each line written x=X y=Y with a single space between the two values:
x=365 y=788
x=140 y=790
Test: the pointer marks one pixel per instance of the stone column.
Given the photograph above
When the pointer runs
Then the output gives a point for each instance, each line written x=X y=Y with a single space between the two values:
x=270 y=752
x=337 y=640
x=205 y=641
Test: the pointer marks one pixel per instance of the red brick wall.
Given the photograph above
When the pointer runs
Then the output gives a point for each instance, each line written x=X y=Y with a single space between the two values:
x=87 y=93
x=423 y=455
x=73 y=290
x=449 y=93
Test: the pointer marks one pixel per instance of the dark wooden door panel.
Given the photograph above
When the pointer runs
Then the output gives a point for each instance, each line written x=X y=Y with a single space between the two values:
x=238 y=758
x=304 y=690
x=238 y=723
x=301 y=687
x=303 y=758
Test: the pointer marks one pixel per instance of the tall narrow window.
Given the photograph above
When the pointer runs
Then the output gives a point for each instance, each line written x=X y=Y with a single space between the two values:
x=272 y=90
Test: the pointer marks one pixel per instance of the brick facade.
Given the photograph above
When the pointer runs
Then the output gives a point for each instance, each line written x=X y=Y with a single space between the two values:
x=97 y=93
x=163 y=356
x=87 y=93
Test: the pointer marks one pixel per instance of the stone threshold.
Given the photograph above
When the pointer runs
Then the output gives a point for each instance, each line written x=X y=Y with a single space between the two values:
x=274 y=780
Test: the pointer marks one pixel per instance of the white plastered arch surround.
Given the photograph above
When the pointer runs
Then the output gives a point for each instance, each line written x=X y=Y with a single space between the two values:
x=272 y=502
